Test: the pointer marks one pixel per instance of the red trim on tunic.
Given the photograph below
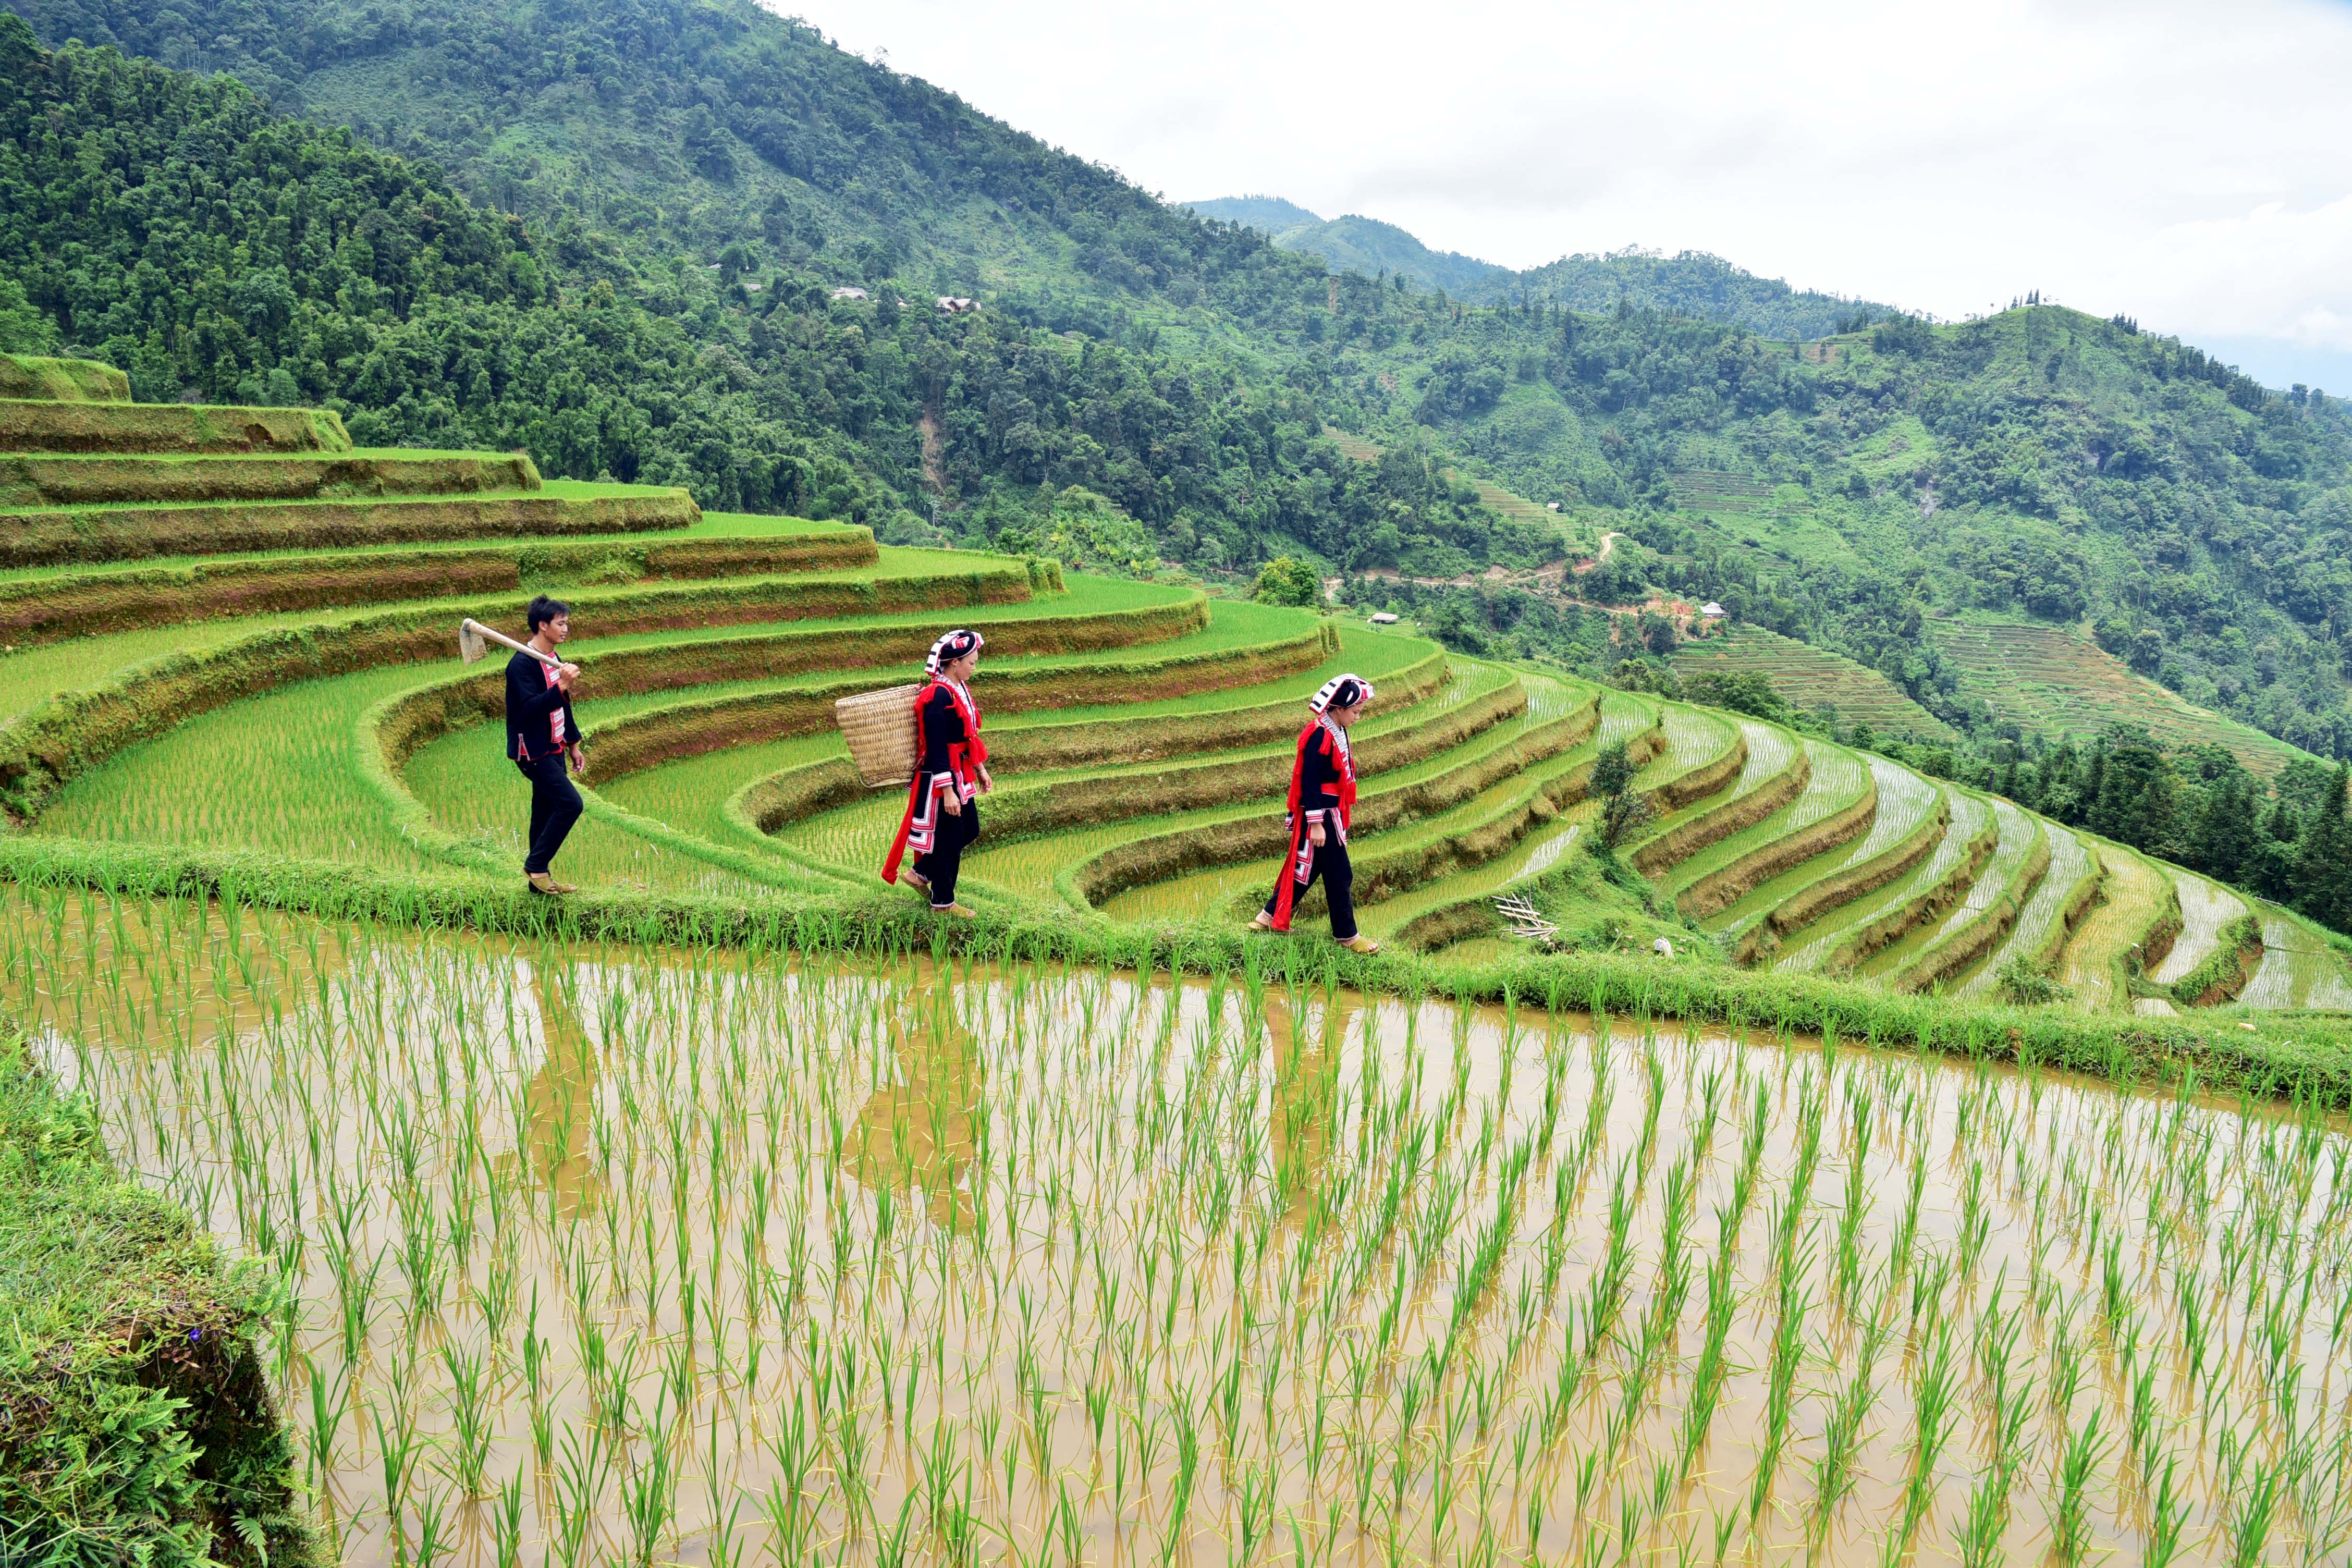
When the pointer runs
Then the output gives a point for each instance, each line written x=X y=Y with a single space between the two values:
x=1337 y=810
x=918 y=827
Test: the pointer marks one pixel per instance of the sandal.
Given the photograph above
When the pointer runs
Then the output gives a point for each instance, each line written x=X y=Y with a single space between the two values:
x=956 y=909
x=1261 y=923
x=1361 y=943
x=541 y=883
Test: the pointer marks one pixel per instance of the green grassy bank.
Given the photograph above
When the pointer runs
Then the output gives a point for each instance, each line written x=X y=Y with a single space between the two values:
x=2305 y=1058
x=135 y=1423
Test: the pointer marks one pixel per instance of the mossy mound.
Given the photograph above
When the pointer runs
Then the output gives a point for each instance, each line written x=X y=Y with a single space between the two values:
x=135 y=1423
x=61 y=380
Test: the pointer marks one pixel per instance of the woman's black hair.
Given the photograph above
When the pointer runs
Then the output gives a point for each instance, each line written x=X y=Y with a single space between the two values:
x=543 y=610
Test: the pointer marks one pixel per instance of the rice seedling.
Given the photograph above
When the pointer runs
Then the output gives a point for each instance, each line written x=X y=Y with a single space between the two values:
x=650 y=1255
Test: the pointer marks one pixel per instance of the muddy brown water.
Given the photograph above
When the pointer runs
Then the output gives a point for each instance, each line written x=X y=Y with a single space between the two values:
x=653 y=1257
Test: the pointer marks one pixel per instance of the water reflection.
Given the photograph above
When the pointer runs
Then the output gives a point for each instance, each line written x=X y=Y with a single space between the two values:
x=916 y=1132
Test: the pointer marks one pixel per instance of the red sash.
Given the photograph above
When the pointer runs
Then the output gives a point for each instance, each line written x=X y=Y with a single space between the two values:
x=1338 y=804
x=919 y=826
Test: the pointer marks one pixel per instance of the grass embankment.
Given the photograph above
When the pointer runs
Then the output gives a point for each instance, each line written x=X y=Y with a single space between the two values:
x=167 y=429
x=2306 y=1055
x=41 y=536
x=52 y=604
x=135 y=1421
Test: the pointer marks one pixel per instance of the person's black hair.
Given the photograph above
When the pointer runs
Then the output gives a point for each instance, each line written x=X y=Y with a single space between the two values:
x=543 y=610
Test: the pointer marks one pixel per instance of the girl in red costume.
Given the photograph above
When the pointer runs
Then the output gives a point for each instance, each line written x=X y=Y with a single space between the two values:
x=951 y=770
x=1322 y=800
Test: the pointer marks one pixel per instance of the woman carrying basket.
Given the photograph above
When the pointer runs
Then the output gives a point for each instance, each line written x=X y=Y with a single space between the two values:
x=951 y=770
x=1322 y=800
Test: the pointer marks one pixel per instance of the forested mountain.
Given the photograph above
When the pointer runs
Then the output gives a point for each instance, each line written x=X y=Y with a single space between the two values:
x=689 y=127
x=170 y=224
x=1360 y=245
x=619 y=247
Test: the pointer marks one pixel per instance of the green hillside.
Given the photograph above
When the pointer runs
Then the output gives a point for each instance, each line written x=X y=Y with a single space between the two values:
x=1141 y=387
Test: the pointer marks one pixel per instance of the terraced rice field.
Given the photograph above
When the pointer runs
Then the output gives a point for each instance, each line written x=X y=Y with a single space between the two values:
x=1828 y=943
x=2041 y=930
x=2050 y=680
x=2298 y=969
x=872 y=1246
x=1996 y=893
x=2205 y=908
x=2092 y=962
x=714 y=646
x=1811 y=677
x=1836 y=780
x=1905 y=801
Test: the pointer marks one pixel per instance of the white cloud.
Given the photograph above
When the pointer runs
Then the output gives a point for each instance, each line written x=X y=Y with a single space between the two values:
x=2183 y=163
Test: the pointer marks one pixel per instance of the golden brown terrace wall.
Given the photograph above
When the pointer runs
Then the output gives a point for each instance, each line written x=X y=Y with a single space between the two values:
x=1816 y=899
x=52 y=607
x=2081 y=899
x=61 y=480
x=1982 y=934
x=56 y=536
x=128 y=428
x=1726 y=885
x=1685 y=839
x=1894 y=923
x=2155 y=945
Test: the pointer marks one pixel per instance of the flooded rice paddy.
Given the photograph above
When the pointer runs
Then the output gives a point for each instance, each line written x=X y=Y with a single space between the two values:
x=648 y=1257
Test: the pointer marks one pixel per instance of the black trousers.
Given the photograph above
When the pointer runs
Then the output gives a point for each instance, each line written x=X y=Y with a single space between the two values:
x=945 y=861
x=554 y=807
x=1331 y=863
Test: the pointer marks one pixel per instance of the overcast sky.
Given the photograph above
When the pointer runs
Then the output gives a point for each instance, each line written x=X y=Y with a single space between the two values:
x=2189 y=164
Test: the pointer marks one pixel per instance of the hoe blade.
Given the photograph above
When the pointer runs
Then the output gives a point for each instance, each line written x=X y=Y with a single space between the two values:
x=472 y=644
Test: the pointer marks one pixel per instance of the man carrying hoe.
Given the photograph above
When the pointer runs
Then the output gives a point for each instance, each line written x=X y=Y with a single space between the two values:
x=543 y=738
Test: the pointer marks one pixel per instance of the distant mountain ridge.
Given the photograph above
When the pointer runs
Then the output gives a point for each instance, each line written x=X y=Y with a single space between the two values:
x=1354 y=243
x=1690 y=283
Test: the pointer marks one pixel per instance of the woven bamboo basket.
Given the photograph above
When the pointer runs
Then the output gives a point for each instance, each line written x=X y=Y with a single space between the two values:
x=880 y=729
